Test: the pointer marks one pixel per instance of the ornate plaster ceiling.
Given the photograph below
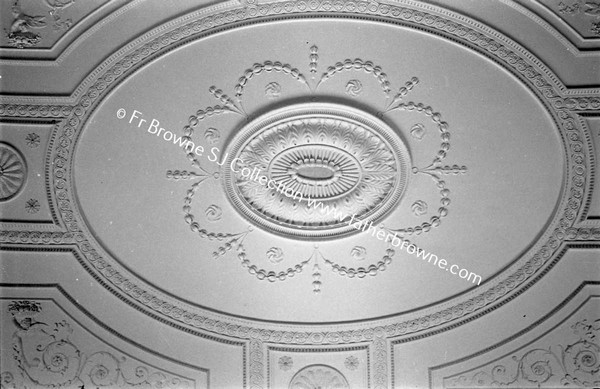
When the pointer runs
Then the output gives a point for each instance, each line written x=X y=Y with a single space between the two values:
x=435 y=139
x=404 y=120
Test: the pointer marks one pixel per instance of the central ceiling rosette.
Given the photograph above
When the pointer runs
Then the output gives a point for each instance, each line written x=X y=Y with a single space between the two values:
x=322 y=163
x=309 y=168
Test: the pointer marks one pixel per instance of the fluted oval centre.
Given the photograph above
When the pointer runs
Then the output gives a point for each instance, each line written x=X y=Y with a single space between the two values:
x=316 y=170
x=316 y=173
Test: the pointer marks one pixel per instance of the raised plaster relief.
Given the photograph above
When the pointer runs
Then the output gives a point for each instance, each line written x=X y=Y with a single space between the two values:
x=214 y=213
x=380 y=364
x=275 y=254
x=32 y=206
x=419 y=207
x=314 y=59
x=569 y=9
x=316 y=277
x=32 y=140
x=45 y=357
x=417 y=131
x=342 y=158
x=359 y=253
x=13 y=172
x=354 y=88
x=576 y=364
x=584 y=16
x=181 y=175
x=285 y=363
x=351 y=362
x=319 y=376
x=591 y=8
x=57 y=7
x=272 y=90
x=22 y=35
x=503 y=51
x=212 y=135
x=330 y=159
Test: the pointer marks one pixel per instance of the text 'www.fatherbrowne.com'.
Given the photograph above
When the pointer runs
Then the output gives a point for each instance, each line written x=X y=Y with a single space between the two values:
x=242 y=171
x=382 y=234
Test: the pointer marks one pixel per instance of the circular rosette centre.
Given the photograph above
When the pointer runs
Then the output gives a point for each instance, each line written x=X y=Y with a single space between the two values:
x=304 y=170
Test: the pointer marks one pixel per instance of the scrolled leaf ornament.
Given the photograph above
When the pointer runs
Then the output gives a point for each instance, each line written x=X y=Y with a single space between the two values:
x=102 y=369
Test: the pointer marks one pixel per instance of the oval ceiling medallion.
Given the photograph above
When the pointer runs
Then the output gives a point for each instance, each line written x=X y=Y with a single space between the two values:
x=301 y=170
x=332 y=123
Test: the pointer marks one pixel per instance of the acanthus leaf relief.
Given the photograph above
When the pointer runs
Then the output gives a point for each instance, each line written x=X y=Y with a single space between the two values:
x=44 y=356
x=576 y=364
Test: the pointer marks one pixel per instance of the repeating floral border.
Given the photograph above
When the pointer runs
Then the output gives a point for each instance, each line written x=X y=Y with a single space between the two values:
x=470 y=33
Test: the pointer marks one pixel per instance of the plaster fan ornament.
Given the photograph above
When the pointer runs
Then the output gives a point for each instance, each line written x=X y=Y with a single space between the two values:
x=12 y=172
